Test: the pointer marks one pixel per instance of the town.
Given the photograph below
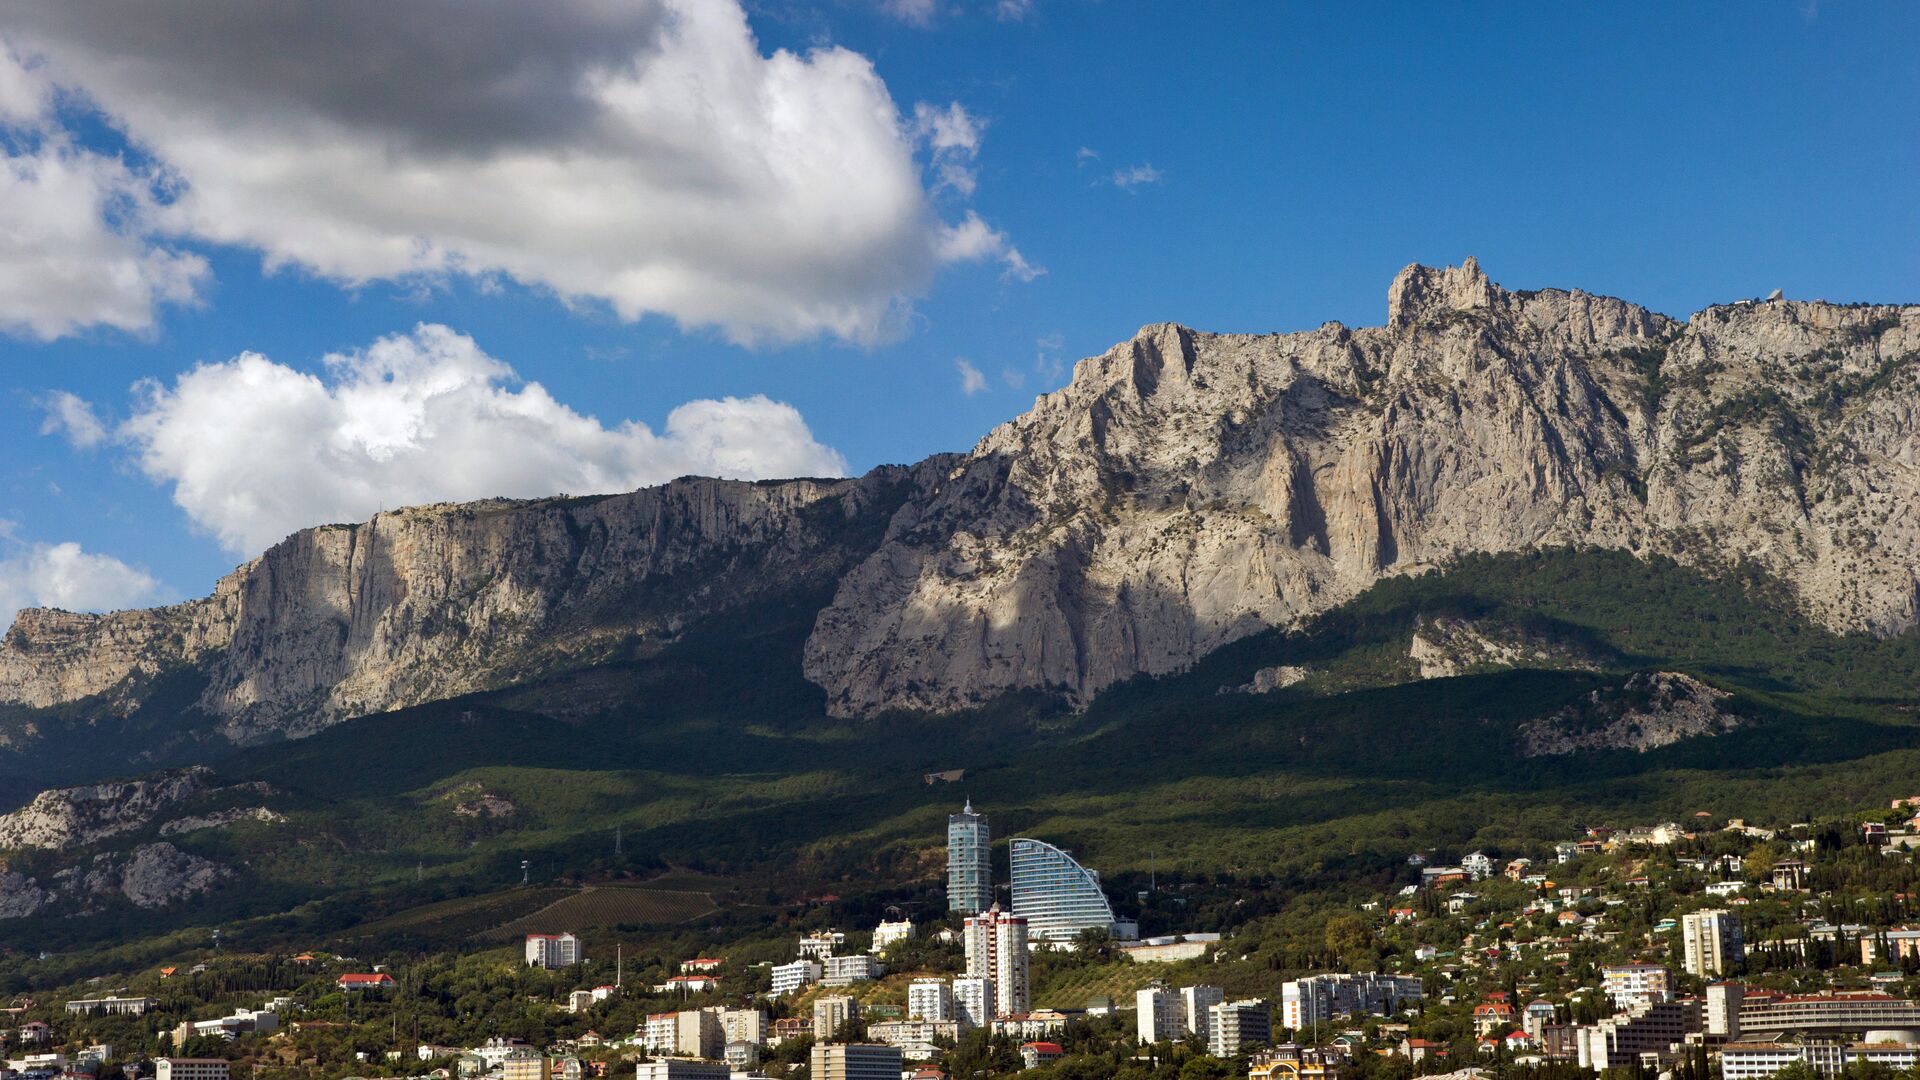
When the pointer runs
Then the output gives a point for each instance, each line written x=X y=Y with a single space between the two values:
x=1685 y=948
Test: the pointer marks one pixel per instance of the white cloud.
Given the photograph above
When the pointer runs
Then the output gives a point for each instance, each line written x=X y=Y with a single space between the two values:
x=952 y=137
x=973 y=240
x=971 y=380
x=64 y=576
x=1013 y=10
x=71 y=415
x=72 y=247
x=1134 y=176
x=1086 y=154
x=644 y=154
x=917 y=12
x=254 y=449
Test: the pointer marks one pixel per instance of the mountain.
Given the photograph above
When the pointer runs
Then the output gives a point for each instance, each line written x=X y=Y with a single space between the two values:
x=1186 y=490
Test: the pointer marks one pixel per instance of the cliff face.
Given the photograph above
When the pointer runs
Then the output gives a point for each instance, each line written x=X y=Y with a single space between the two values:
x=1188 y=489
x=435 y=601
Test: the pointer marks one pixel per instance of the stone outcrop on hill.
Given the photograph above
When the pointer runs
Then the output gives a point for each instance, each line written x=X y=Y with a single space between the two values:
x=148 y=876
x=1184 y=490
x=70 y=817
x=1187 y=489
x=1648 y=711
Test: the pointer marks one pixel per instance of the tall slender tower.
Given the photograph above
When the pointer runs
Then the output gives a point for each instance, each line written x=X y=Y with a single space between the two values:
x=969 y=862
x=997 y=950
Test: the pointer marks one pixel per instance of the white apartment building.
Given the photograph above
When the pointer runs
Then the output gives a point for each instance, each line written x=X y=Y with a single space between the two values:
x=930 y=999
x=552 y=951
x=973 y=999
x=795 y=977
x=1158 y=1016
x=1318 y=999
x=1194 y=1003
x=1233 y=1026
x=1710 y=943
x=996 y=946
x=1630 y=984
x=830 y=1013
x=847 y=970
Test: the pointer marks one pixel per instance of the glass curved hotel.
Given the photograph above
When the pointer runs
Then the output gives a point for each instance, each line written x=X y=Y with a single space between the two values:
x=1058 y=897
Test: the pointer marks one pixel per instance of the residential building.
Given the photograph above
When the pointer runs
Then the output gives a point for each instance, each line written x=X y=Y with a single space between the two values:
x=744 y=1025
x=996 y=945
x=1158 y=1016
x=110 y=1006
x=847 y=970
x=1038 y=1053
x=699 y=1033
x=1057 y=896
x=930 y=999
x=1790 y=875
x=1194 y=1003
x=856 y=1061
x=790 y=1027
x=973 y=1000
x=181 y=1068
x=1491 y=1017
x=1291 y=1062
x=660 y=1033
x=795 y=977
x=552 y=951
x=687 y=984
x=1710 y=943
x=907 y=1033
x=1478 y=865
x=682 y=1069
x=1233 y=1026
x=887 y=933
x=1628 y=984
x=831 y=1012
x=1317 y=999
x=1759 y=1060
x=969 y=862
x=242 y=1022
x=1649 y=1031
x=822 y=945
x=379 y=980
x=741 y=1055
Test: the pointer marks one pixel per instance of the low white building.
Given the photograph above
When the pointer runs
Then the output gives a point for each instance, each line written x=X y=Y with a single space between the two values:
x=888 y=933
x=847 y=970
x=795 y=977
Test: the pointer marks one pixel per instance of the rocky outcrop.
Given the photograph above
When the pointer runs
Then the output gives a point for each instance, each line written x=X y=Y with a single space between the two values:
x=1648 y=711
x=1444 y=646
x=1268 y=679
x=149 y=876
x=1187 y=489
x=71 y=817
x=220 y=819
x=430 y=602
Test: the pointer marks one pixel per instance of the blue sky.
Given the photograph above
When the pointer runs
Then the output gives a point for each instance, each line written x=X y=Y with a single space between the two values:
x=1282 y=162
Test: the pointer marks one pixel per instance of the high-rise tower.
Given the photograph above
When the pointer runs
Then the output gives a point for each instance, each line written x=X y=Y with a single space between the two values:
x=969 y=862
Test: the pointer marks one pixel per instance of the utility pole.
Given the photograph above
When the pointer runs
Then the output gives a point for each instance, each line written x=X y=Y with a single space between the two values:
x=525 y=871
x=616 y=841
x=619 y=963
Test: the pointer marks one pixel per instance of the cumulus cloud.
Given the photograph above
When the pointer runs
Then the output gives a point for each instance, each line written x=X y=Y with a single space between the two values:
x=254 y=449
x=1134 y=176
x=642 y=154
x=65 y=576
x=971 y=380
x=75 y=251
x=72 y=416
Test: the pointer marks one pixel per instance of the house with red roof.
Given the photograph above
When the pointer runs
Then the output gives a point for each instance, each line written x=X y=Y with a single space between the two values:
x=700 y=965
x=1036 y=1054
x=379 y=980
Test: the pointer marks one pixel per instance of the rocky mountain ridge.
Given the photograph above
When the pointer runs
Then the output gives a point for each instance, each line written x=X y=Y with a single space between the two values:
x=1185 y=490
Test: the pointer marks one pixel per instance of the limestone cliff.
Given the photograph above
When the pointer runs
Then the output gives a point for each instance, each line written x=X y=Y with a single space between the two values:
x=1184 y=490
x=434 y=601
x=1187 y=489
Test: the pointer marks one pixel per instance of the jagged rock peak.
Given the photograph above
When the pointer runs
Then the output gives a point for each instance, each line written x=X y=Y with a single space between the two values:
x=1419 y=291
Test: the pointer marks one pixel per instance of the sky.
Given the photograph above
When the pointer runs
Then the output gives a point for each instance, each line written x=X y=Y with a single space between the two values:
x=264 y=266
